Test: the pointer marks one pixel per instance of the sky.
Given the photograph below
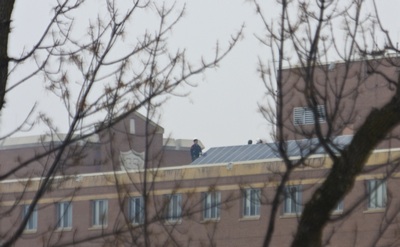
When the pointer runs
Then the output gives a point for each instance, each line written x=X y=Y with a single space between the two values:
x=222 y=110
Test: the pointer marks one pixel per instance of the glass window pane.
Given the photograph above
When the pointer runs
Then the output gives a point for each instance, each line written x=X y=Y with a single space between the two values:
x=292 y=200
x=376 y=193
x=64 y=214
x=211 y=205
x=99 y=212
x=174 y=207
x=33 y=219
x=251 y=202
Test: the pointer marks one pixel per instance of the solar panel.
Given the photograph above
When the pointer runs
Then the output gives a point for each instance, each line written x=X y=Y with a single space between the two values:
x=254 y=152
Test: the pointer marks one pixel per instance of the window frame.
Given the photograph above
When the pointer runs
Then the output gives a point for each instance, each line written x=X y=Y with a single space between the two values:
x=305 y=115
x=377 y=194
x=251 y=202
x=136 y=210
x=32 y=223
x=173 y=208
x=99 y=219
x=292 y=201
x=211 y=205
x=64 y=215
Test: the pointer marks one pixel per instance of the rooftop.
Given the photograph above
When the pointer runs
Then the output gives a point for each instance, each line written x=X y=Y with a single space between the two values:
x=262 y=152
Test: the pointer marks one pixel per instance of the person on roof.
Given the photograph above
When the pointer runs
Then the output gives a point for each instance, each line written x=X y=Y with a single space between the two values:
x=195 y=150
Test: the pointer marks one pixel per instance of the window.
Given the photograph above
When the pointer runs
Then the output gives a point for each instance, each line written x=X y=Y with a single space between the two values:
x=64 y=215
x=173 y=209
x=211 y=203
x=132 y=126
x=136 y=210
x=99 y=212
x=305 y=115
x=339 y=207
x=251 y=202
x=292 y=200
x=376 y=194
x=33 y=219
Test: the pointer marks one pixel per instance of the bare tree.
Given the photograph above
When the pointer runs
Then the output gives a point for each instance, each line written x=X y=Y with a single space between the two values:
x=302 y=74
x=101 y=74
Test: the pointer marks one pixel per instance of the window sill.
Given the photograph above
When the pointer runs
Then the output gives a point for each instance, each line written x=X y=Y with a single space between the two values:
x=210 y=220
x=173 y=222
x=64 y=229
x=250 y=218
x=290 y=215
x=374 y=210
x=30 y=231
x=136 y=223
x=100 y=227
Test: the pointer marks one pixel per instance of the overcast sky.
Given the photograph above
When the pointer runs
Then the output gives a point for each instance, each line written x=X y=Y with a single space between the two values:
x=223 y=109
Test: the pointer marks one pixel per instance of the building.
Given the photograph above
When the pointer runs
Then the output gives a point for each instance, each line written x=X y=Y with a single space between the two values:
x=342 y=93
x=219 y=200
x=125 y=144
x=129 y=186
x=133 y=143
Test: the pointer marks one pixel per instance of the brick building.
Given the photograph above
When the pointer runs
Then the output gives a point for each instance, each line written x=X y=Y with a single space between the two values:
x=342 y=93
x=129 y=186
x=220 y=199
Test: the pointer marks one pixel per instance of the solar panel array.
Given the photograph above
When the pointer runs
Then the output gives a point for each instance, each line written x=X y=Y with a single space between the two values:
x=254 y=152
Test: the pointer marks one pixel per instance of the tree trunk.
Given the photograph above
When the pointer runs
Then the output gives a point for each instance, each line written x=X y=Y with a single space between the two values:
x=345 y=169
x=6 y=8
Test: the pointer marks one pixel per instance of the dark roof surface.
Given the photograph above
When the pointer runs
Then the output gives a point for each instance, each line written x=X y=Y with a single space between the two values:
x=254 y=152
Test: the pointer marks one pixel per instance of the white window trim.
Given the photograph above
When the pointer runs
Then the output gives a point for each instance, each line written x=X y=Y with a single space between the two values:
x=292 y=203
x=211 y=205
x=99 y=213
x=251 y=202
x=377 y=194
x=64 y=215
x=305 y=115
x=136 y=210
